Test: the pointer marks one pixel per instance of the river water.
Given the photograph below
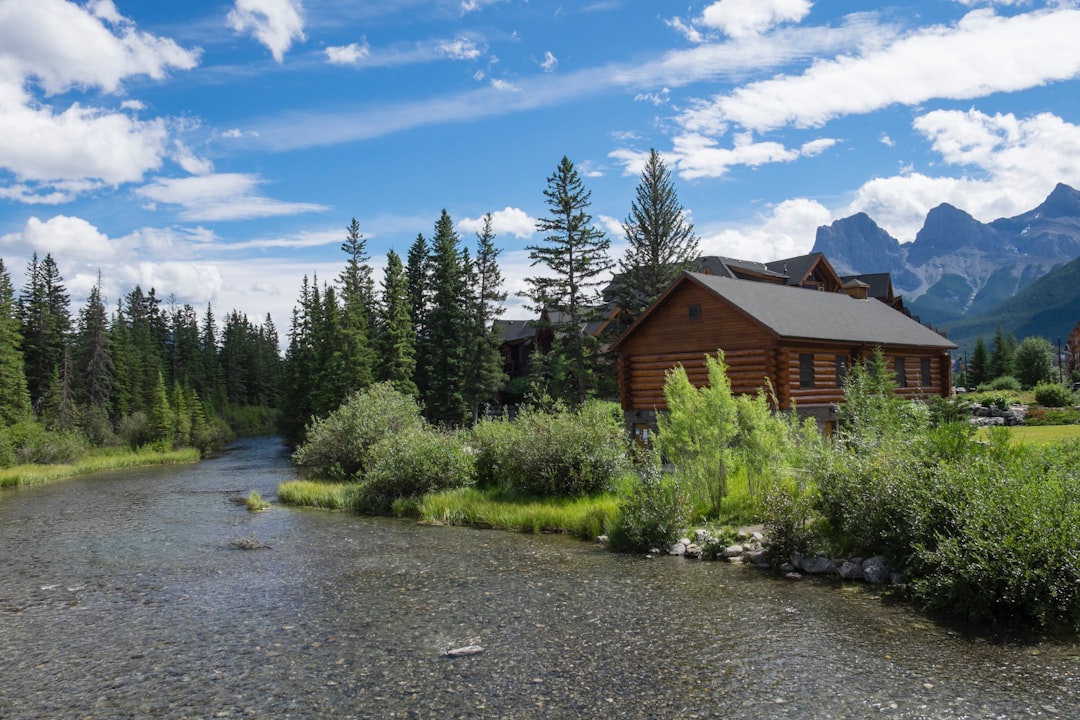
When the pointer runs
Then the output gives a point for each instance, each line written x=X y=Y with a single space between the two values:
x=123 y=595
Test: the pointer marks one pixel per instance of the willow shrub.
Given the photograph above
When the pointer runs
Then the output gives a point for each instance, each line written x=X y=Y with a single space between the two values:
x=557 y=453
x=653 y=510
x=413 y=463
x=341 y=446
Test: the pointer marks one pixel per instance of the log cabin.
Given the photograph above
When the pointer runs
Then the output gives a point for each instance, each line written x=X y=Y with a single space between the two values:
x=800 y=337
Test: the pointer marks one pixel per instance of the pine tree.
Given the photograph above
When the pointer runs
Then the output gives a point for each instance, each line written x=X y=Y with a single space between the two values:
x=396 y=334
x=1002 y=357
x=210 y=382
x=93 y=353
x=661 y=243
x=358 y=301
x=45 y=325
x=14 y=397
x=449 y=339
x=978 y=371
x=418 y=276
x=575 y=254
x=297 y=407
x=486 y=376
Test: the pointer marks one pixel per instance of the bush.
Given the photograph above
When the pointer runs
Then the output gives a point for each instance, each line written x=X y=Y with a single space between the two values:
x=413 y=463
x=652 y=511
x=1005 y=382
x=561 y=453
x=1053 y=395
x=28 y=443
x=340 y=446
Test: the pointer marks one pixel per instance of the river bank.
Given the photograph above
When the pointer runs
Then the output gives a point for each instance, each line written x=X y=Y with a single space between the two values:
x=98 y=461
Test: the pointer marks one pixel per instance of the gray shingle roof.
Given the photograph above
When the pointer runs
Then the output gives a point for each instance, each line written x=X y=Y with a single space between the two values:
x=795 y=312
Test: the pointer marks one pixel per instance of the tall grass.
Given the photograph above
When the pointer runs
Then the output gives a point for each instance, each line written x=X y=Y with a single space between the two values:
x=325 y=495
x=584 y=517
x=99 y=461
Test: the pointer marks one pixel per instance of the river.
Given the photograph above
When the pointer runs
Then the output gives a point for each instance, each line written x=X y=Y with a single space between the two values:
x=123 y=595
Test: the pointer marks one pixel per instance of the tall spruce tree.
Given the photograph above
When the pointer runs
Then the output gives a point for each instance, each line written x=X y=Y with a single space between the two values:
x=358 y=304
x=978 y=371
x=486 y=376
x=93 y=353
x=661 y=243
x=45 y=324
x=1002 y=357
x=396 y=333
x=14 y=397
x=418 y=276
x=449 y=341
x=575 y=255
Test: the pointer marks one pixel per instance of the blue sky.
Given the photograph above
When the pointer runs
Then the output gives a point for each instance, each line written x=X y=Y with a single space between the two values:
x=216 y=150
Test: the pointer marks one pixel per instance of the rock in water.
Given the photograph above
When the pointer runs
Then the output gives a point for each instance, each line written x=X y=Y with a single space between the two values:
x=463 y=651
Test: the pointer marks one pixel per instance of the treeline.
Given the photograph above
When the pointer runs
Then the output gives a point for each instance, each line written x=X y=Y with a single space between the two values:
x=143 y=373
x=1008 y=365
x=427 y=328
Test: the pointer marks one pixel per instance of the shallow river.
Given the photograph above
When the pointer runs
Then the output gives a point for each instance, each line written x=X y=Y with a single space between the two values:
x=123 y=595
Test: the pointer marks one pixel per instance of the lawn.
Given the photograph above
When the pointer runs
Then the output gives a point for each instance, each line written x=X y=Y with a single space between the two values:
x=1041 y=435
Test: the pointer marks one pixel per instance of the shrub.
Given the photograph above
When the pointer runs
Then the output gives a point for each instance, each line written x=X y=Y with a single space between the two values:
x=28 y=443
x=255 y=503
x=558 y=453
x=1053 y=395
x=413 y=463
x=340 y=446
x=1005 y=382
x=652 y=511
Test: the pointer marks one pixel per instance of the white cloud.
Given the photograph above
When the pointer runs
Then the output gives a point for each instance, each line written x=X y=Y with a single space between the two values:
x=66 y=237
x=698 y=156
x=787 y=230
x=504 y=85
x=985 y=53
x=1008 y=166
x=508 y=221
x=687 y=30
x=222 y=196
x=191 y=163
x=351 y=54
x=460 y=48
x=54 y=46
x=274 y=23
x=739 y=18
x=550 y=63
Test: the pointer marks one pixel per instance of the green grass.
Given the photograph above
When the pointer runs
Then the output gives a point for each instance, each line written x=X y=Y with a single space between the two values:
x=585 y=518
x=325 y=495
x=98 y=461
x=1037 y=434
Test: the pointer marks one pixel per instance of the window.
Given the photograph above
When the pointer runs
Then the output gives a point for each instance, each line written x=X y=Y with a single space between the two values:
x=806 y=370
x=901 y=375
x=841 y=370
x=924 y=371
x=694 y=311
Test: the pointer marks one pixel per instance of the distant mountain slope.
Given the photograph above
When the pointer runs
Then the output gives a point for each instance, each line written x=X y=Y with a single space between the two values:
x=1048 y=307
x=958 y=267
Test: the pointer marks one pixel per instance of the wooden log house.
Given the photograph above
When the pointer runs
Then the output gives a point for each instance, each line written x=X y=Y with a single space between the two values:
x=801 y=338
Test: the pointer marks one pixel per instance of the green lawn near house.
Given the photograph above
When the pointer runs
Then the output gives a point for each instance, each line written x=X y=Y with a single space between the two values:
x=1039 y=435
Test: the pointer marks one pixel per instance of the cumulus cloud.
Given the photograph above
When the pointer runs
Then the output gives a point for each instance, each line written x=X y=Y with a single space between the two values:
x=351 y=54
x=63 y=236
x=48 y=47
x=987 y=53
x=785 y=230
x=739 y=18
x=222 y=196
x=508 y=221
x=274 y=23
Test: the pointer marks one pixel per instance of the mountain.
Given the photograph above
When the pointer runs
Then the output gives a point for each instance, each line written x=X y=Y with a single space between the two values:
x=958 y=267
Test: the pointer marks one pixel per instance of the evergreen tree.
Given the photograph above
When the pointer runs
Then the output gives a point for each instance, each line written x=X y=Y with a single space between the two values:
x=486 y=376
x=184 y=350
x=575 y=255
x=14 y=397
x=449 y=341
x=45 y=325
x=661 y=243
x=979 y=369
x=418 y=276
x=161 y=415
x=59 y=411
x=298 y=368
x=1003 y=355
x=396 y=334
x=93 y=352
x=210 y=382
x=358 y=300
x=1034 y=362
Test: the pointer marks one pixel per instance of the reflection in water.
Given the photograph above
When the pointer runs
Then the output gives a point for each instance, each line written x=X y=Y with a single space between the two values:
x=121 y=595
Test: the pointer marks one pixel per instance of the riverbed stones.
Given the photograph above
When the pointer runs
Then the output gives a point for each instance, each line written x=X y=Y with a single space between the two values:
x=850 y=569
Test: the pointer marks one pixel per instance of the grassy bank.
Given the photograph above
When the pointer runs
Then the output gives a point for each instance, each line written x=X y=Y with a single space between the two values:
x=98 y=461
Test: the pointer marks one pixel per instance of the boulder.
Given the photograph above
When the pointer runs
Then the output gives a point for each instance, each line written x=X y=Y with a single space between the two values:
x=875 y=570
